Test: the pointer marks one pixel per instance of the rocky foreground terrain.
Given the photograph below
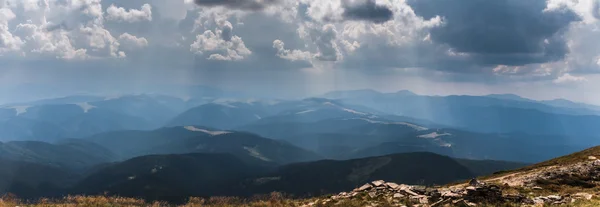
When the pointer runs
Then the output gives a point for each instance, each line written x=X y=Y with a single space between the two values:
x=573 y=184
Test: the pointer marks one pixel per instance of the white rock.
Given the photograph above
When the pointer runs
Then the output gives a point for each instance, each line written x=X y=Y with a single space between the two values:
x=364 y=187
x=587 y=196
x=592 y=158
x=398 y=195
x=554 y=197
x=410 y=192
x=378 y=183
x=392 y=185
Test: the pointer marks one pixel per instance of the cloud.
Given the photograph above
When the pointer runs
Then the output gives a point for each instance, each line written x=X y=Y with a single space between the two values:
x=238 y=4
x=440 y=40
x=327 y=49
x=367 y=10
x=120 y=14
x=132 y=42
x=8 y=42
x=568 y=78
x=221 y=44
x=292 y=55
x=508 y=32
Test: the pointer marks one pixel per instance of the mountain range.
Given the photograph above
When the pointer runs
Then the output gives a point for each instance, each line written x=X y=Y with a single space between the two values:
x=170 y=148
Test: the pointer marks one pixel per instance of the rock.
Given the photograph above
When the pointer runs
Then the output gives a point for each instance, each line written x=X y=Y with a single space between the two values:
x=363 y=187
x=403 y=186
x=424 y=200
x=470 y=188
x=372 y=194
x=410 y=192
x=420 y=198
x=433 y=193
x=419 y=189
x=537 y=188
x=475 y=183
x=554 y=197
x=516 y=198
x=538 y=201
x=592 y=158
x=450 y=194
x=378 y=183
x=489 y=193
x=440 y=202
x=457 y=201
x=470 y=204
x=392 y=185
x=398 y=195
x=586 y=196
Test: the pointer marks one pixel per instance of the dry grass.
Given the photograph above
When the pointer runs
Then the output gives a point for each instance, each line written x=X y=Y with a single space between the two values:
x=577 y=157
x=272 y=200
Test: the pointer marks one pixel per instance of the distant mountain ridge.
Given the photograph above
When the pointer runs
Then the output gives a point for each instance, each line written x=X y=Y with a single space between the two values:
x=490 y=114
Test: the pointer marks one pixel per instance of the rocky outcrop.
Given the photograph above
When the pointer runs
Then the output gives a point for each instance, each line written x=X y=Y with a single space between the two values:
x=472 y=195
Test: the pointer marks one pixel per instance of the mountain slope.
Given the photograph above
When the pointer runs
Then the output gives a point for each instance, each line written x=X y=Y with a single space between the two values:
x=219 y=115
x=52 y=122
x=328 y=176
x=181 y=140
x=167 y=177
x=154 y=109
x=30 y=180
x=74 y=155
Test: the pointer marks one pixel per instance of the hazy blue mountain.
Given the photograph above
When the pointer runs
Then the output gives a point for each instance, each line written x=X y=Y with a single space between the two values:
x=232 y=114
x=52 y=122
x=315 y=109
x=180 y=140
x=515 y=147
x=20 y=128
x=486 y=114
x=570 y=104
x=509 y=97
x=575 y=107
x=69 y=154
x=331 y=137
x=363 y=137
x=402 y=101
x=221 y=115
x=154 y=109
x=363 y=93
x=73 y=99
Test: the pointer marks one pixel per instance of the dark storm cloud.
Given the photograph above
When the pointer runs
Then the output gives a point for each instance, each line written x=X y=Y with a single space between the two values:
x=367 y=11
x=238 y=4
x=509 y=32
x=596 y=9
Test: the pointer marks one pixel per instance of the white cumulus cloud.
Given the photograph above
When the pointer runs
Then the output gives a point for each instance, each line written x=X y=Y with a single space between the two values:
x=132 y=15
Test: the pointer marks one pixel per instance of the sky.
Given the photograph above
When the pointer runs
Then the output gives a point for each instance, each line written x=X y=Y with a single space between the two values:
x=541 y=49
